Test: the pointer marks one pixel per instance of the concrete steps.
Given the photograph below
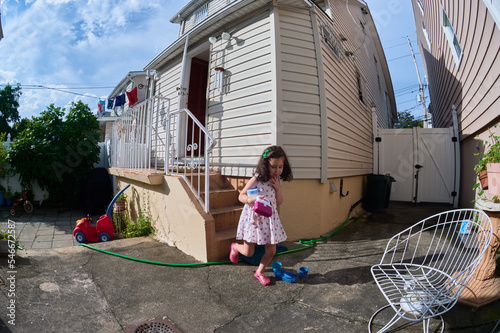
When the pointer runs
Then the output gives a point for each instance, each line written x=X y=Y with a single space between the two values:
x=225 y=208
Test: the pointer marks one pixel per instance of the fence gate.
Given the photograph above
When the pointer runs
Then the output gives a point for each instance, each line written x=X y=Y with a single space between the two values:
x=423 y=161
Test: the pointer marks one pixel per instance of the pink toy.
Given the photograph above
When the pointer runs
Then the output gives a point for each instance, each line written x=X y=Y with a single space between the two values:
x=263 y=207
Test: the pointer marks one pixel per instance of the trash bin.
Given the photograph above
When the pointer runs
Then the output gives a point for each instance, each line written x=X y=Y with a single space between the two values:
x=378 y=192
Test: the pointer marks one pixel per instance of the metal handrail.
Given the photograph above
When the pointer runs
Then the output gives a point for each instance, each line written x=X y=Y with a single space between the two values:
x=179 y=161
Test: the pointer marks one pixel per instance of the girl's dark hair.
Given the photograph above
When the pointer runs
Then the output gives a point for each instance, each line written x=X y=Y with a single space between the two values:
x=263 y=166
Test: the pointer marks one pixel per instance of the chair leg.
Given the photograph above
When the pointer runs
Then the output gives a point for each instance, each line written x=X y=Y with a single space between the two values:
x=388 y=325
x=426 y=324
x=396 y=318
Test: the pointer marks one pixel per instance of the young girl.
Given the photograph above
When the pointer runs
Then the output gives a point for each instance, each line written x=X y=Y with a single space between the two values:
x=256 y=229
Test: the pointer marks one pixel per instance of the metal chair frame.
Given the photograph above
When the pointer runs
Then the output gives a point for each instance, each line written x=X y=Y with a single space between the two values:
x=426 y=267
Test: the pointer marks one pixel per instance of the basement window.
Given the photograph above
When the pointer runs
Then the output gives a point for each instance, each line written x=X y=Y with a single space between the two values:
x=456 y=49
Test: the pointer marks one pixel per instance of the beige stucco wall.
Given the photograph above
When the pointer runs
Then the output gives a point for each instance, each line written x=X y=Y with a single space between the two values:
x=174 y=214
x=310 y=211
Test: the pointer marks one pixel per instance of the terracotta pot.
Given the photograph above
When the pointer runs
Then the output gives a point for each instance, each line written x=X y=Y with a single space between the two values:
x=119 y=206
x=483 y=179
x=493 y=180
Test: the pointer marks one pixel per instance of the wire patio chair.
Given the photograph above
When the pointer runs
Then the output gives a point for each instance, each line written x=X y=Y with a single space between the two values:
x=425 y=268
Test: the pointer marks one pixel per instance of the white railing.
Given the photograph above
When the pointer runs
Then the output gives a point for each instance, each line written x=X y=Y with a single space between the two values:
x=137 y=143
x=189 y=152
x=150 y=138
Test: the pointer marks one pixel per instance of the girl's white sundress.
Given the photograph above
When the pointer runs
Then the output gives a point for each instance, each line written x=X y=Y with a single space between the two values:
x=258 y=229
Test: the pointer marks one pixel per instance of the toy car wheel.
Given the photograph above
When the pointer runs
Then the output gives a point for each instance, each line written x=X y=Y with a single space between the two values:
x=80 y=237
x=104 y=237
x=28 y=207
x=13 y=212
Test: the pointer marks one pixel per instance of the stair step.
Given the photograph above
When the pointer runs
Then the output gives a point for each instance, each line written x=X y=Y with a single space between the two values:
x=226 y=216
x=216 y=181
x=222 y=197
x=224 y=238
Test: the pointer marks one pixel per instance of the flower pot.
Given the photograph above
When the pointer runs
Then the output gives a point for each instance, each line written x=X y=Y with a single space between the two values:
x=493 y=180
x=119 y=206
x=483 y=179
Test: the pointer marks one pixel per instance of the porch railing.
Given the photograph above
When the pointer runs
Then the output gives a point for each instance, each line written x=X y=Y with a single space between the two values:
x=189 y=146
x=150 y=138
x=137 y=143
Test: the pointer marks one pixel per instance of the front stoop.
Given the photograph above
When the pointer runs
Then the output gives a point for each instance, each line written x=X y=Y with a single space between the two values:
x=225 y=209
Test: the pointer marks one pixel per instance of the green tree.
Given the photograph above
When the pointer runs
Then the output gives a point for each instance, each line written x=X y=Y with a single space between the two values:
x=407 y=120
x=9 y=103
x=57 y=153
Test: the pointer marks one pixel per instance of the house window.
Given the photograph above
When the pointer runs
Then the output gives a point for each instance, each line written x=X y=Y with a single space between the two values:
x=455 y=47
x=426 y=35
x=421 y=6
x=330 y=38
x=494 y=8
x=201 y=13
x=359 y=81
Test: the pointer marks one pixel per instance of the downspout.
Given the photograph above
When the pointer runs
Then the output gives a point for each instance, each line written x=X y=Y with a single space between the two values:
x=456 y=149
x=181 y=92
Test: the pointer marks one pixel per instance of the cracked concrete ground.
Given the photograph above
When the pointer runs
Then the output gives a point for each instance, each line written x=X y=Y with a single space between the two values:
x=77 y=289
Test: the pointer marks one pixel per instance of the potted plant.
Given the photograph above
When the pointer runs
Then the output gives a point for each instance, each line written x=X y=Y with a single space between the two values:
x=490 y=163
x=119 y=205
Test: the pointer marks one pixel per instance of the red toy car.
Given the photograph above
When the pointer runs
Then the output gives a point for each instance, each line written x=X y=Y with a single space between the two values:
x=102 y=231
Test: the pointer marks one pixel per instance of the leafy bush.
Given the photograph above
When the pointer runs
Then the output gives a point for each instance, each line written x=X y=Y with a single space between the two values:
x=140 y=227
x=57 y=153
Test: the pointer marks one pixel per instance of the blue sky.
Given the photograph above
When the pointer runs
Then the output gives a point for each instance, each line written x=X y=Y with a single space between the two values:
x=62 y=50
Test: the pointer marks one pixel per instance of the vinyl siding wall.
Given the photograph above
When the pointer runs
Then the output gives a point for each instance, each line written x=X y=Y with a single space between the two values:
x=348 y=119
x=241 y=118
x=299 y=118
x=473 y=85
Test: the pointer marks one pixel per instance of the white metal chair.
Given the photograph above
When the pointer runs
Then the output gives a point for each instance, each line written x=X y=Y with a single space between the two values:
x=426 y=267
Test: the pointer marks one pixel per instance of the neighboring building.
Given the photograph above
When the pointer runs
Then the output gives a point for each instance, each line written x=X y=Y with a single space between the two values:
x=460 y=46
x=307 y=76
x=139 y=79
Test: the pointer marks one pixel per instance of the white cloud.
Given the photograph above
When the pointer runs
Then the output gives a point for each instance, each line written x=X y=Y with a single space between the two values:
x=70 y=44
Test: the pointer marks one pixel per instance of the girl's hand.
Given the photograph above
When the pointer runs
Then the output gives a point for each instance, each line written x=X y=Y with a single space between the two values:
x=275 y=183
x=251 y=201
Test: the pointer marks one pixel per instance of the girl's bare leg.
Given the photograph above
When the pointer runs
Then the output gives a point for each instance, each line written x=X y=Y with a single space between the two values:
x=246 y=249
x=266 y=258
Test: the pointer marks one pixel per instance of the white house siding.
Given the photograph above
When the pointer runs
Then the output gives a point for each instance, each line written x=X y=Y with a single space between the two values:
x=473 y=85
x=348 y=119
x=166 y=84
x=299 y=119
x=241 y=118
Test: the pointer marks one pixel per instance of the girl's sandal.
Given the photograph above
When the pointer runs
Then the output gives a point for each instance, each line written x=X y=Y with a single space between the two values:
x=264 y=280
x=234 y=254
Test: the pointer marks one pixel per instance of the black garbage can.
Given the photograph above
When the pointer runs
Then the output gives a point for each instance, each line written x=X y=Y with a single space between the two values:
x=378 y=192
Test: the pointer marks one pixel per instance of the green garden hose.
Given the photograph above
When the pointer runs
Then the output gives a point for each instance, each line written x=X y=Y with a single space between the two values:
x=310 y=242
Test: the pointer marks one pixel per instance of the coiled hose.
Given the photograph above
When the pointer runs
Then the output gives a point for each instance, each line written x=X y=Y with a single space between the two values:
x=310 y=243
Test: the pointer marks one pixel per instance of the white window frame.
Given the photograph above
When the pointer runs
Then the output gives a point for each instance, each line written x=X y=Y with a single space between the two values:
x=426 y=35
x=494 y=9
x=456 y=49
x=421 y=6
x=201 y=13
